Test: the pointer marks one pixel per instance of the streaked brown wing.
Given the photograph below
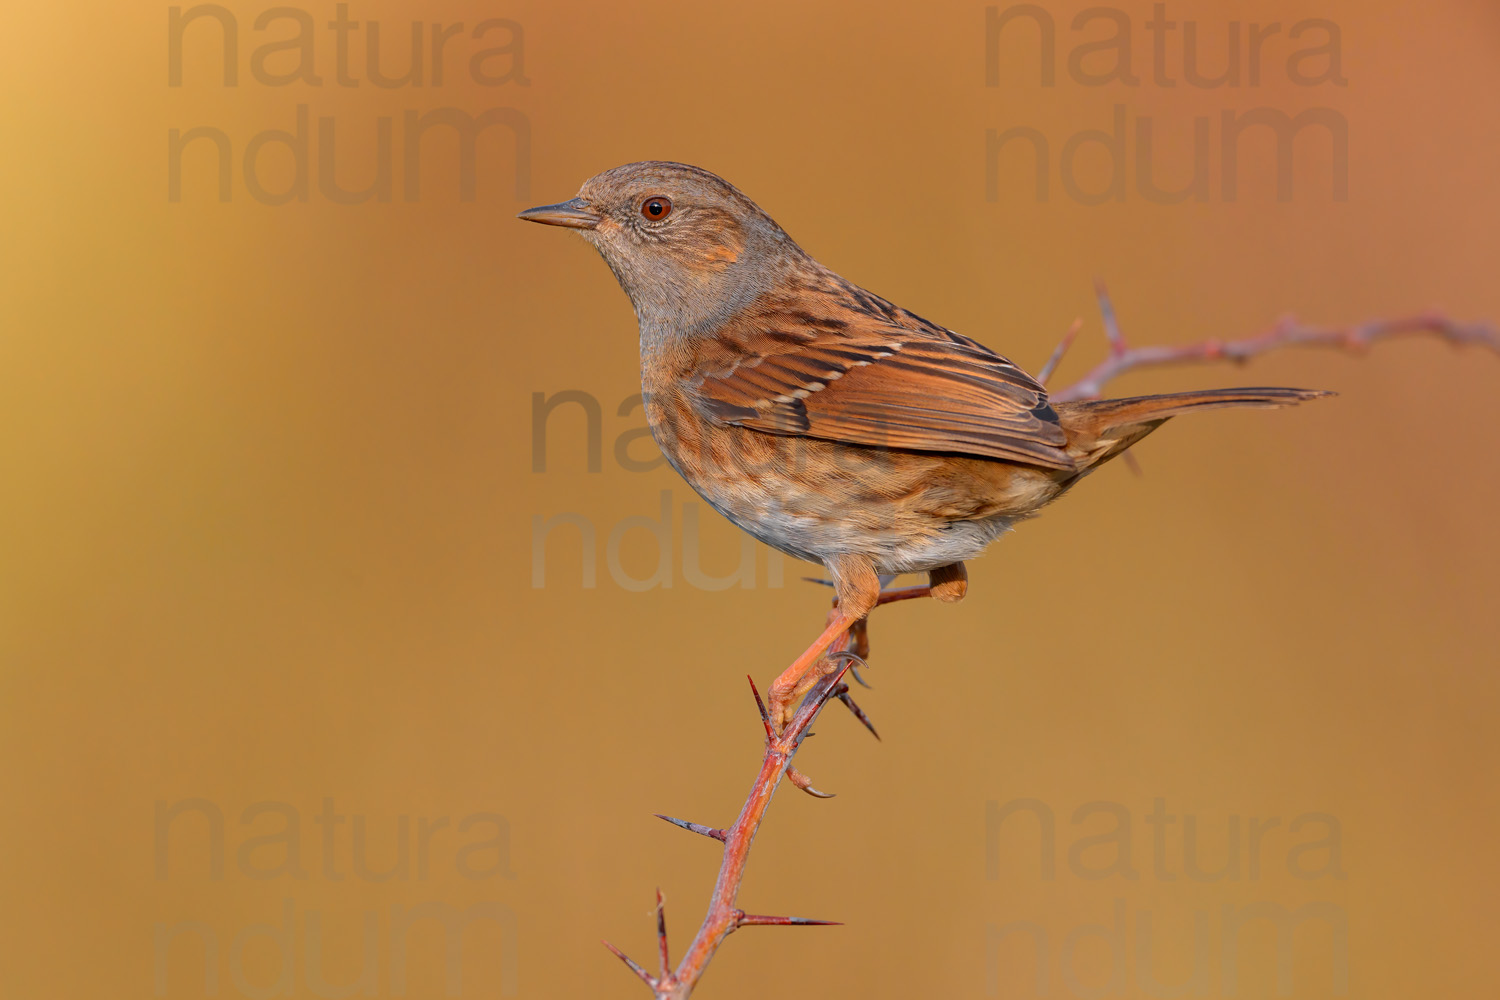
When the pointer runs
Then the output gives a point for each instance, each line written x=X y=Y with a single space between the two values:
x=881 y=385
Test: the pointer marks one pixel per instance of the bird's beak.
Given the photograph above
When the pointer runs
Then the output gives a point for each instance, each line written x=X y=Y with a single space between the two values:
x=571 y=214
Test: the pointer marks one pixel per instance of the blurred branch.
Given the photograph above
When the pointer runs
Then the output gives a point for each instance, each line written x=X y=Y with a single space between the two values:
x=724 y=916
x=1287 y=332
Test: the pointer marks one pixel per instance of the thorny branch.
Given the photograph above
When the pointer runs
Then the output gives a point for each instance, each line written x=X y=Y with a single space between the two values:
x=1287 y=332
x=724 y=917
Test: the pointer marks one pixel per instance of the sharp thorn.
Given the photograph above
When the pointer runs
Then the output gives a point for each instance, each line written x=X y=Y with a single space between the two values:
x=833 y=681
x=765 y=717
x=645 y=976
x=743 y=919
x=661 y=933
x=1059 y=351
x=707 y=831
x=1132 y=464
x=803 y=782
x=819 y=580
x=1111 y=324
x=859 y=713
x=854 y=672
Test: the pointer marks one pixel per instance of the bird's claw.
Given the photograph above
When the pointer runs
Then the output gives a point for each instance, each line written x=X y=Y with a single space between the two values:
x=803 y=782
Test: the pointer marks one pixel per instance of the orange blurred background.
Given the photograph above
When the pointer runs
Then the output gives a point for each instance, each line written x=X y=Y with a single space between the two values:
x=270 y=524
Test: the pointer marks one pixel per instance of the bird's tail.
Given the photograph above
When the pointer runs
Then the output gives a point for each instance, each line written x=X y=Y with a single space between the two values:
x=1100 y=429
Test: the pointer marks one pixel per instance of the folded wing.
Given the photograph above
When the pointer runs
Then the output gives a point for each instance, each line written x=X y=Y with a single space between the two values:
x=859 y=380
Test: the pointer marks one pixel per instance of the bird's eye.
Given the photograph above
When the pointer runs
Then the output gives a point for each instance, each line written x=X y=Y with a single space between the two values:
x=656 y=208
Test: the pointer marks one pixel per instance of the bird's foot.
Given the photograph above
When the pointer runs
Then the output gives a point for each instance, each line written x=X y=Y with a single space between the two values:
x=828 y=653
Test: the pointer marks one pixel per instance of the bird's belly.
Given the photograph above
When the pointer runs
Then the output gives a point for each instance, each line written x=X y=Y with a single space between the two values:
x=812 y=499
x=900 y=535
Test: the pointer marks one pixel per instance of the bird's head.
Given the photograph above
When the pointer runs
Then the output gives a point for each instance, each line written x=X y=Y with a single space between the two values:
x=688 y=248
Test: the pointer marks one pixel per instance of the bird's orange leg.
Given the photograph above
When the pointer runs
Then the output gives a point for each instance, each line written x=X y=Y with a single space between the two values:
x=859 y=591
x=946 y=583
x=858 y=588
x=949 y=583
x=902 y=594
x=788 y=686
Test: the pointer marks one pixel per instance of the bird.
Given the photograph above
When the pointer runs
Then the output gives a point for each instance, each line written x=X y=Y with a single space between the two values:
x=826 y=421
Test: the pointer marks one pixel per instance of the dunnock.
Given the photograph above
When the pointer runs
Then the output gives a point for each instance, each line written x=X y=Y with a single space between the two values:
x=824 y=420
